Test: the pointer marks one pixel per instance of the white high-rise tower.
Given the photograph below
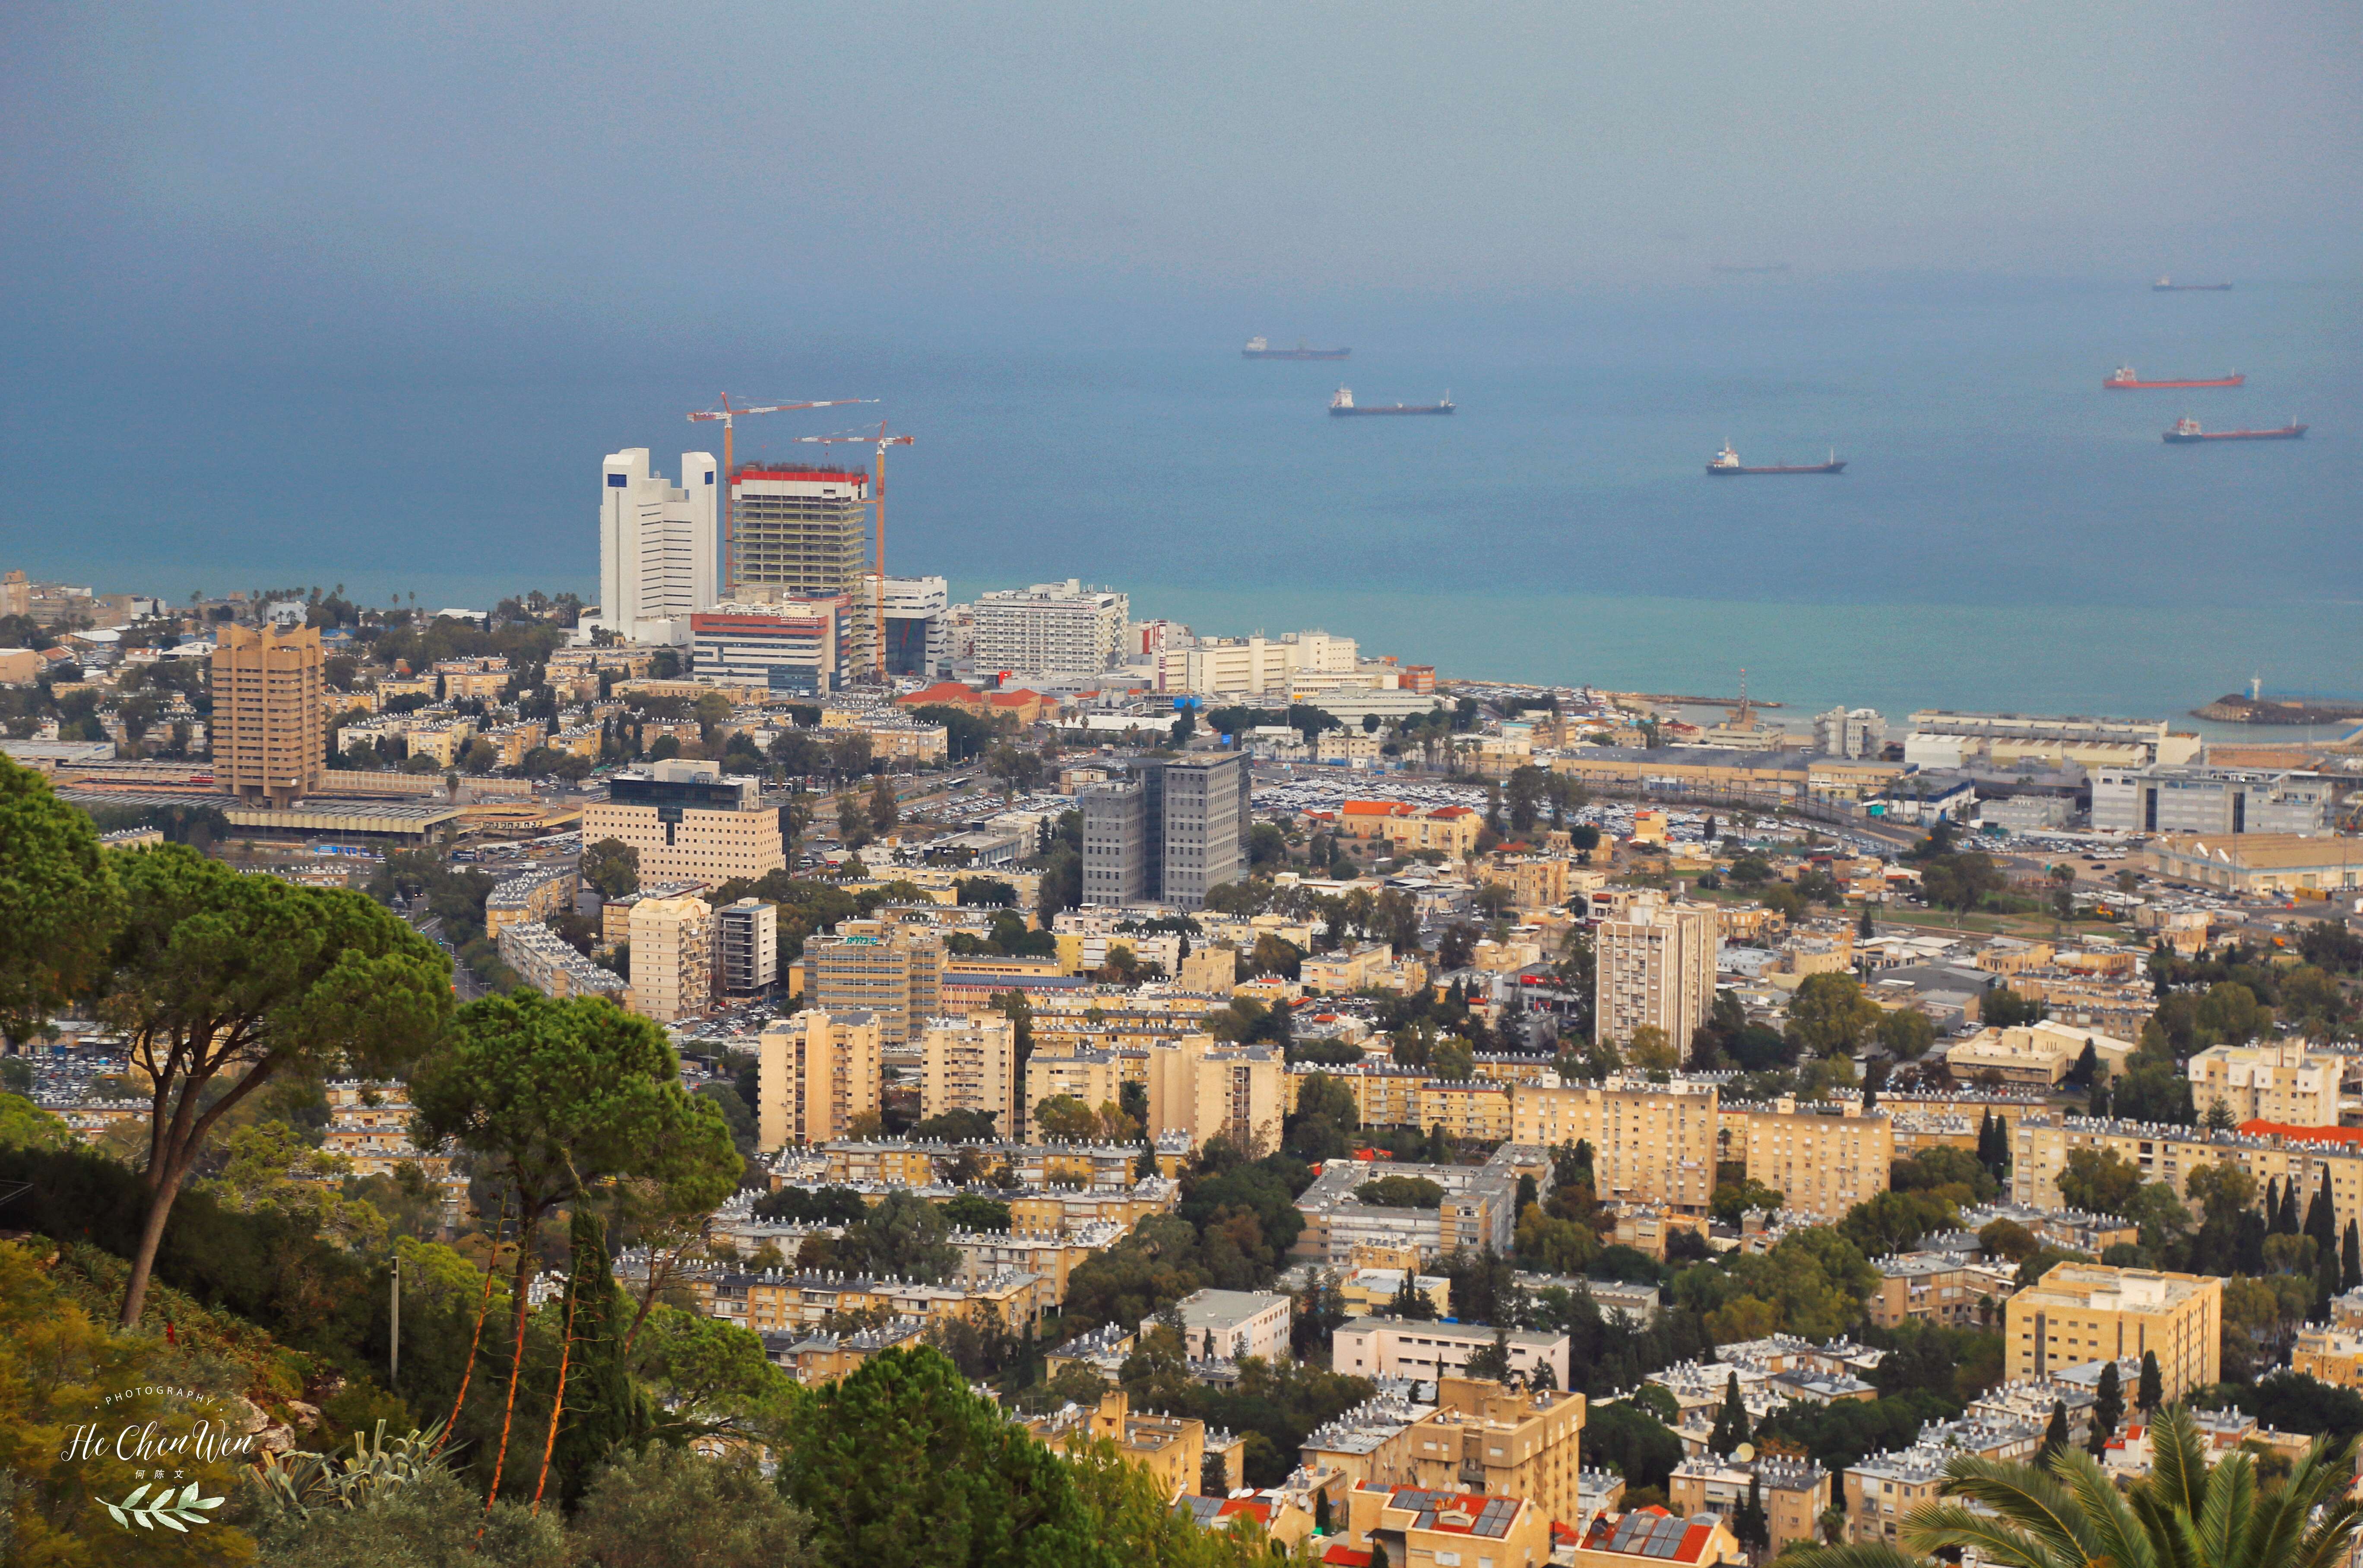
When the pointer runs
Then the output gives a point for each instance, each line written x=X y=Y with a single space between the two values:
x=659 y=547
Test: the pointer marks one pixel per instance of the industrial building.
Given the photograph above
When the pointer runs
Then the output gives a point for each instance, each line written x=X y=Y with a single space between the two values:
x=2211 y=800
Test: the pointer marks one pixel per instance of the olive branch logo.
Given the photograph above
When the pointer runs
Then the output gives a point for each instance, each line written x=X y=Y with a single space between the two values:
x=164 y=1509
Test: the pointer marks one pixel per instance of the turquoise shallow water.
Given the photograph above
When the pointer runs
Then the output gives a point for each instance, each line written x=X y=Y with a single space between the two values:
x=2006 y=535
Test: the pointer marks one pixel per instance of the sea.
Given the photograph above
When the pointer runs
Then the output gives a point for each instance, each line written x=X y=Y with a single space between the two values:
x=2006 y=534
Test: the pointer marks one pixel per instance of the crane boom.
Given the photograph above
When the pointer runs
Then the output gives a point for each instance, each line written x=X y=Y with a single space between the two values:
x=728 y=417
x=880 y=440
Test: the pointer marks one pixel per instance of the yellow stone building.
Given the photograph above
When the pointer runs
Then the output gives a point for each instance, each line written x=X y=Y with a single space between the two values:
x=1822 y=1158
x=817 y=1074
x=1650 y=1142
x=2081 y=1312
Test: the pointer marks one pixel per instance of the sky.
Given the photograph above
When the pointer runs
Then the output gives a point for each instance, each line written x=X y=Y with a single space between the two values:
x=180 y=167
x=416 y=265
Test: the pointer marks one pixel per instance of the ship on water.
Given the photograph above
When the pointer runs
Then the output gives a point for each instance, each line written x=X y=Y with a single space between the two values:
x=2169 y=286
x=2186 y=432
x=2122 y=379
x=1343 y=405
x=1258 y=348
x=1728 y=462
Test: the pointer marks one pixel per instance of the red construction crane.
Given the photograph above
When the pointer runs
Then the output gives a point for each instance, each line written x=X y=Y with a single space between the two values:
x=728 y=415
x=878 y=494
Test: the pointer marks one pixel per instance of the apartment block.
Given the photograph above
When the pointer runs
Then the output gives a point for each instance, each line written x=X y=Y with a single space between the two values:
x=1822 y=1158
x=672 y=959
x=1391 y=1347
x=1655 y=968
x=531 y=896
x=1203 y=1089
x=1650 y=1142
x=1480 y=1436
x=2083 y=1312
x=270 y=736
x=970 y=1063
x=1479 y=1210
x=2308 y=1156
x=1953 y=1290
x=746 y=936
x=1794 y=1493
x=1231 y=1325
x=1233 y=668
x=1173 y=1449
x=2280 y=1081
x=689 y=823
x=2329 y=1354
x=1094 y=1078
x=817 y=1074
x=892 y=969
x=1051 y=628
x=548 y=963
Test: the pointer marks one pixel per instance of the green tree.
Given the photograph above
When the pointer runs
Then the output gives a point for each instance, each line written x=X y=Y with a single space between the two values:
x=61 y=899
x=611 y=869
x=2152 y=1392
x=2109 y=1403
x=552 y=1097
x=24 y=1125
x=1490 y=1362
x=2099 y=1180
x=1906 y=1032
x=221 y=983
x=1830 y=1015
x=884 y=812
x=1730 y=1420
x=900 y=1466
x=604 y=1411
x=668 y=1508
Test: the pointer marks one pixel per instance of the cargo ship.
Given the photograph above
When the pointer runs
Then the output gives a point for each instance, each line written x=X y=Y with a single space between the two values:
x=1343 y=404
x=2169 y=286
x=1258 y=348
x=2122 y=379
x=2187 y=431
x=1728 y=462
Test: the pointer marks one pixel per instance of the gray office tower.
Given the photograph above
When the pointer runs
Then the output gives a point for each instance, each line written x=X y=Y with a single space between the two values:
x=1177 y=827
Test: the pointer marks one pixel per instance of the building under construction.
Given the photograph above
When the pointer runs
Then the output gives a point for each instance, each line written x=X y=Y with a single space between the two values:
x=803 y=533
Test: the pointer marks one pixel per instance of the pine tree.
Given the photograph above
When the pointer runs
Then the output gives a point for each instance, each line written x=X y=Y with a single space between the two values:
x=1731 y=1421
x=2325 y=1228
x=606 y=1410
x=2108 y=1403
x=2326 y=1285
x=2153 y=1387
x=1749 y=1525
x=2054 y=1436
x=2273 y=1207
x=2350 y=1274
x=1863 y=927
x=1320 y=1512
x=2285 y=1224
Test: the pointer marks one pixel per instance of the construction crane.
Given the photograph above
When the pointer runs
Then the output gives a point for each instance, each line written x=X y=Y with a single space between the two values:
x=727 y=417
x=878 y=494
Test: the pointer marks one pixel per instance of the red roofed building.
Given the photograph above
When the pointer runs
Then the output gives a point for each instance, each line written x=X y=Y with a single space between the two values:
x=1415 y=1525
x=1025 y=707
x=2352 y=1137
x=1452 y=830
x=1652 y=1535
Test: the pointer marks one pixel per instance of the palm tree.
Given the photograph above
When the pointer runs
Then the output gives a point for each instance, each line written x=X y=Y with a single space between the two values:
x=2068 y=1514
